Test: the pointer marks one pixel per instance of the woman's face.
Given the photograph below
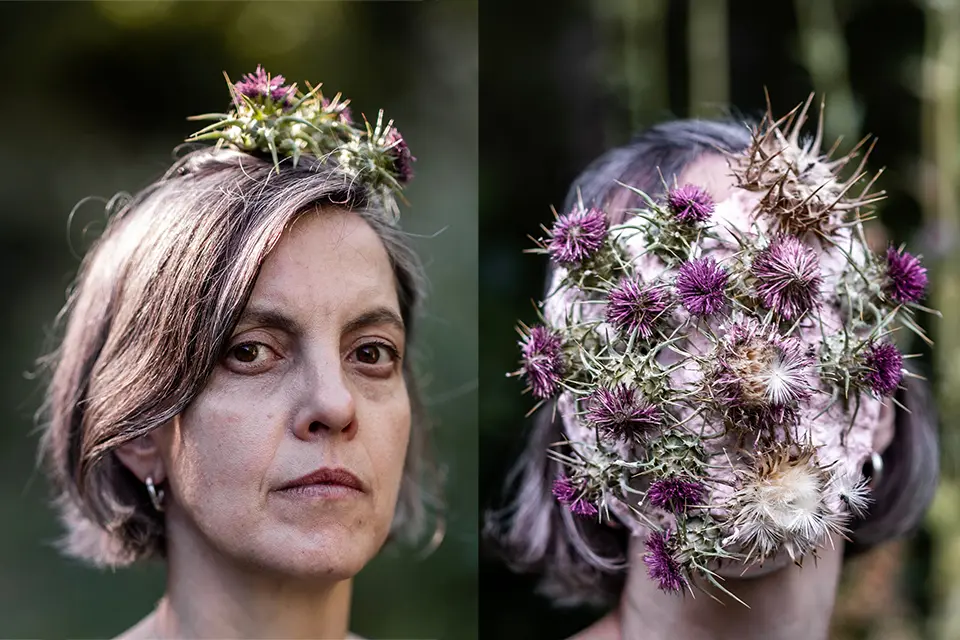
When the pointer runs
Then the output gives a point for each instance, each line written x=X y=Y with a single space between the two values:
x=312 y=380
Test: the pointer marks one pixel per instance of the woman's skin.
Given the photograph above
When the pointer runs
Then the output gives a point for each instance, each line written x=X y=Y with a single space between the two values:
x=786 y=601
x=312 y=378
x=791 y=603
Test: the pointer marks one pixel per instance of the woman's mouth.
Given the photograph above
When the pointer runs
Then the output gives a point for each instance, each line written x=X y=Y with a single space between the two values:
x=325 y=483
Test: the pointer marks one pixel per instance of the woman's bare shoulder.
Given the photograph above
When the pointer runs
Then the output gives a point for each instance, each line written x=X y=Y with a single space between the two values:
x=607 y=628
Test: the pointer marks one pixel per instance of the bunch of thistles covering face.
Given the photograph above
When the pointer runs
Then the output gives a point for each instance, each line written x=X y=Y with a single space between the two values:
x=719 y=368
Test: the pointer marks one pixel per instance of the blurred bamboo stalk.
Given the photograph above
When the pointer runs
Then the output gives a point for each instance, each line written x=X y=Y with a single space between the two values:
x=823 y=50
x=937 y=193
x=937 y=190
x=635 y=59
x=708 y=44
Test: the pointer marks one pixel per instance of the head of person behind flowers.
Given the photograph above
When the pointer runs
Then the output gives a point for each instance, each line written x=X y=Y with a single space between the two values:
x=719 y=356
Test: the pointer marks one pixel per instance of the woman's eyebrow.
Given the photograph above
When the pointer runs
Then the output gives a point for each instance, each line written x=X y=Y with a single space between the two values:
x=378 y=316
x=270 y=318
x=277 y=319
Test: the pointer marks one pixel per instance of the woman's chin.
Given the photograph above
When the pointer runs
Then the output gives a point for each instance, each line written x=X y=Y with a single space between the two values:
x=329 y=558
x=308 y=567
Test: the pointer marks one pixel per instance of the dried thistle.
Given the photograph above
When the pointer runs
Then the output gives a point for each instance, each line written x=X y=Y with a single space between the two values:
x=802 y=187
x=760 y=376
x=780 y=503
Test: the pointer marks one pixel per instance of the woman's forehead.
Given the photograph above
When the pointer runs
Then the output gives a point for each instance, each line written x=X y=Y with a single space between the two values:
x=711 y=172
x=327 y=264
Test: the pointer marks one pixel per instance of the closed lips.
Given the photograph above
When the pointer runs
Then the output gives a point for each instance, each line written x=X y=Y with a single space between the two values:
x=340 y=477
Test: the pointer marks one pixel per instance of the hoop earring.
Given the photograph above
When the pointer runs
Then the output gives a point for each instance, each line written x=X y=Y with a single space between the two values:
x=156 y=495
x=876 y=469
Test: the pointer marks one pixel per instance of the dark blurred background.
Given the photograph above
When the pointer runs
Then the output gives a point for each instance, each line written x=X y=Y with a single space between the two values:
x=96 y=100
x=560 y=87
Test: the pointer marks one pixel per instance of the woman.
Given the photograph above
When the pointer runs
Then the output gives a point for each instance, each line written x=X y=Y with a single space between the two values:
x=599 y=506
x=232 y=391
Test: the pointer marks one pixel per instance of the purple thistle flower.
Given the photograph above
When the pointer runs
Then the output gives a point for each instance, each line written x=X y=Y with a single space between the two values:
x=906 y=277
x=577 y=235
x=563 y=490
x=661 y=565
x=403 y=159
x=690 y=204
x=633 y=307
x=566 y=493
x=543 y=365
x=584 y=508
x=621 y=414
x=282 y=94
x=788 y=277
x=675 y=495
x=885 y=365
x=261 y=85
x=701 y=286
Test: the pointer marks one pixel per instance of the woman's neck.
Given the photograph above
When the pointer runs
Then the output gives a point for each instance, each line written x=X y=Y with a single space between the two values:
x=210 y=597
x=791 y=603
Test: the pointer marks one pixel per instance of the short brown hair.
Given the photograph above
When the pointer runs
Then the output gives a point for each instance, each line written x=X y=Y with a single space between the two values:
x=154 y=303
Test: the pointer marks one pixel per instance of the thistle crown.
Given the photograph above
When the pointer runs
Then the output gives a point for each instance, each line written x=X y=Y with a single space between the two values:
x=268 y=116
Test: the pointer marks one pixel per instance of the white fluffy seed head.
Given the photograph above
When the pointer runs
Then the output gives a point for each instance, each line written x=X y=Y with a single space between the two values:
x=852 y=490
x=781 y=504
x=786 y=379
x=771 y=369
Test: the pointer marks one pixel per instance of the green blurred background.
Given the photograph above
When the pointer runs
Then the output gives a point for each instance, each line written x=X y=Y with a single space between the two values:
x=560 y=87
x=96 y=100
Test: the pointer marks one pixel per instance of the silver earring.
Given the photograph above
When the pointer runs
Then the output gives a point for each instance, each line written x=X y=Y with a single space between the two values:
x=156 y=495
x=876 y=469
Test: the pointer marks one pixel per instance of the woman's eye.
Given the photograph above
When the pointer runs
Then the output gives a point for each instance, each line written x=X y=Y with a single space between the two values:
x=376 y=353
x=249 y=355
x=246 y=352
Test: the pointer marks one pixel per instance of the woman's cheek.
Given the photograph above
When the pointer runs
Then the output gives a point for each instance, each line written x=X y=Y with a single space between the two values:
x=224 y=442
x=390 y=438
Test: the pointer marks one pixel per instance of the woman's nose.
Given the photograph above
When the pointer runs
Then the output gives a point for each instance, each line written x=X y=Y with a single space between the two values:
x=330 y=406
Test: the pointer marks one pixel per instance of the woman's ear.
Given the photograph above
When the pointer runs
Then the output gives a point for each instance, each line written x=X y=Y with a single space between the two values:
x=885 y=426
x=142 y=457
